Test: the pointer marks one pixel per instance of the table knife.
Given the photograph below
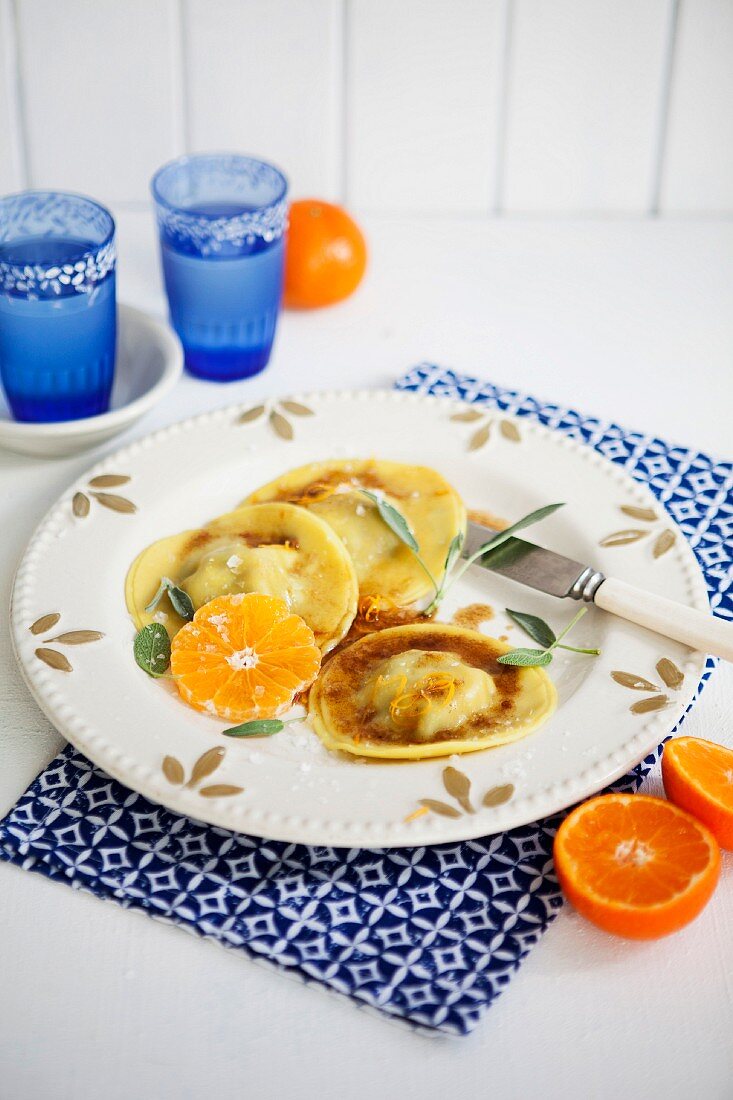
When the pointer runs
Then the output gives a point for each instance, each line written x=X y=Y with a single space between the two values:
x=553 y=573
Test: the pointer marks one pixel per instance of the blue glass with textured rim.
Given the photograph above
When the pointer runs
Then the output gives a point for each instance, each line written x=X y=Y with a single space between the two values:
x=57 y=305
x=221 y=219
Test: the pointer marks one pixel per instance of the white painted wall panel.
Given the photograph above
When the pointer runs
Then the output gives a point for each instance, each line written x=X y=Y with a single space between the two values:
x=423 y=92
x=698 y=168
x=101 y=89
x=265 y=77
x=11 y=160
x=583 y=104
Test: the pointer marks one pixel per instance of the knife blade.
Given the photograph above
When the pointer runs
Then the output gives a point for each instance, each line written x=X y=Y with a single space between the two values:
x=533 y=565
x=553 y=573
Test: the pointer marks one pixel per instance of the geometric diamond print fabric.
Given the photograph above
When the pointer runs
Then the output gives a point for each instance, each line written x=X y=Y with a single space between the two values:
x=430 y=935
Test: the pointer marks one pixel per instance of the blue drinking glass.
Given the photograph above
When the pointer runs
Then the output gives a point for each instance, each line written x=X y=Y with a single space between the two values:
x=57 y=305
x=221 y=219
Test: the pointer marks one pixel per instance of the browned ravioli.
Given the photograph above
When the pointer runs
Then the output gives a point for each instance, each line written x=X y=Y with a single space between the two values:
x=425 y=690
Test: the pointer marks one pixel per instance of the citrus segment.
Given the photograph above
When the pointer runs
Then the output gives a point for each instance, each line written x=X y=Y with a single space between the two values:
x=636 y=866
x=698 y=776
x=244 y=657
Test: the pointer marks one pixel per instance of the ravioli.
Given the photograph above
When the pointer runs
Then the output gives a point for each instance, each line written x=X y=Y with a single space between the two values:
x=384 y=565
x=423 y=690
x=276 y=549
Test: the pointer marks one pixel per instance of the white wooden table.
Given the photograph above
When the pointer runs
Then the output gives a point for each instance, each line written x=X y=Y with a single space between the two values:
x=630 y=320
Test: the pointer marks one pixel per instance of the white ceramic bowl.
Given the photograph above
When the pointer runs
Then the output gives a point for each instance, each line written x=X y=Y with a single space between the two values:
x=149 y=363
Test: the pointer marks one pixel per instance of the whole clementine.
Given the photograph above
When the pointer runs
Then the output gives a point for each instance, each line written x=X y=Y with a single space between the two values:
x=325 y=255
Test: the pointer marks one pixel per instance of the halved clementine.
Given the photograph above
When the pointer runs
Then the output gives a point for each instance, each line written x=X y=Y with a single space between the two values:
x=243 y=657
x=698 y=776
x=636 y=866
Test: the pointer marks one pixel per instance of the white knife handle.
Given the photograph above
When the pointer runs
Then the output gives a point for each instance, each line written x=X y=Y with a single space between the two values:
x=698 y=629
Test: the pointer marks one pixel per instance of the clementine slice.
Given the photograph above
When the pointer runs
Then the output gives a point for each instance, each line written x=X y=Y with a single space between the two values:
x=636 y=866
x=698 y=776
x=244 y=656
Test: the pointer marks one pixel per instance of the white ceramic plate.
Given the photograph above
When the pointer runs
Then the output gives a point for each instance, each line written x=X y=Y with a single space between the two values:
x=288 y=786
x=149 y=363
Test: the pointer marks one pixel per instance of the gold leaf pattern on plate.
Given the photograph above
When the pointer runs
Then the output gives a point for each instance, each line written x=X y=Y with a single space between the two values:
x=219 y=790
x=40 y=626
x=108 y=481
x=645 y=514
x=480 y=437
x=630 y=680
x=458 y=786
x=80 y=505
x=296 y=408
x=622 y=538
x=207 y=763
x=653 y=702
x=510 y=431
x=173 y=770
x=54 y=659
x=251 y=414
x=664 y=542
x=115 y=503
x=441 y=808
x=467 y=417
x=669 y=672
x=280 y=425
x=78 y=637
x=497 y=795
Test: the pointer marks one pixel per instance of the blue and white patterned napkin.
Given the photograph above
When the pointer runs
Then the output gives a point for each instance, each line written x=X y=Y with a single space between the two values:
x=430 y=935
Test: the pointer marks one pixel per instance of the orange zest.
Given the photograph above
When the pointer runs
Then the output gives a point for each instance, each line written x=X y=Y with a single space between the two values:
x=636 y=866
x=325 y=255
x=409 y=706
x=698 y=776
x=244 y=657
x=370 y=607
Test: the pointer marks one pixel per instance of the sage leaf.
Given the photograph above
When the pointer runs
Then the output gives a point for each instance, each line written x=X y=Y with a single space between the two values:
x=181 y=601
x=526 y=658
x=454 y=551
x=537 y=628
x=152 y=649
x=262 y=727
x=394 y=519
x=157 y=597
x=525 y=521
